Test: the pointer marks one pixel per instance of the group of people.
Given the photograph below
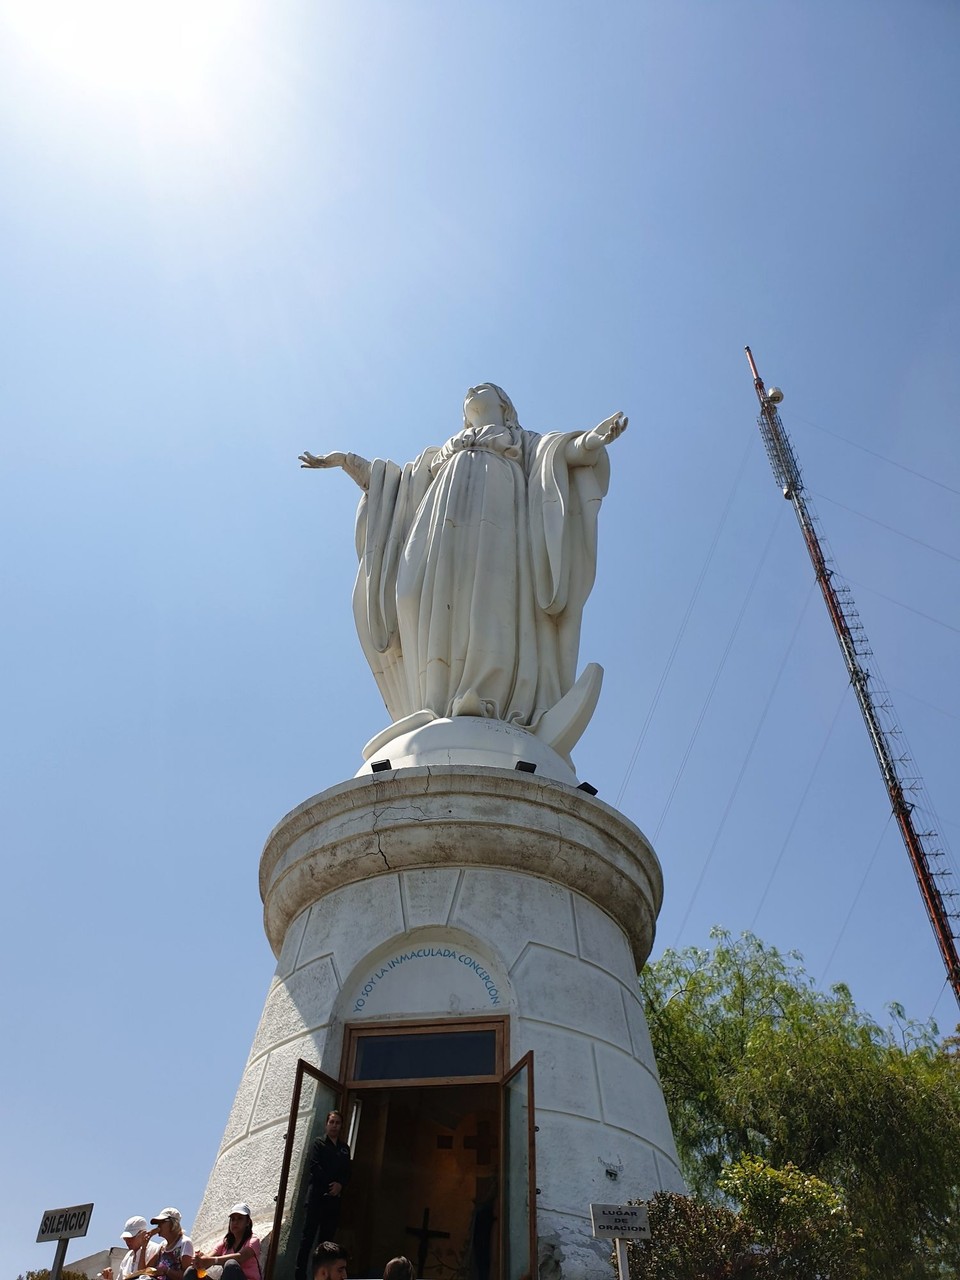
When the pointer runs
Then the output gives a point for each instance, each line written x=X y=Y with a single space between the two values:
x=173 y=1257
x=238 y=1253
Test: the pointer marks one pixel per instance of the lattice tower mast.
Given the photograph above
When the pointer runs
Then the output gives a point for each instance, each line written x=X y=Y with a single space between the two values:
x=926 y=858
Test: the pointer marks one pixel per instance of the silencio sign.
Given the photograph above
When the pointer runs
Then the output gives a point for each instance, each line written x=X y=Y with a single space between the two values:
x=64 y=1224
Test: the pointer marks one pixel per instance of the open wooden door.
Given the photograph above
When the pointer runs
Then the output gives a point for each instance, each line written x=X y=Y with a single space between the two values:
x=315 y=1095
x=518 y=1187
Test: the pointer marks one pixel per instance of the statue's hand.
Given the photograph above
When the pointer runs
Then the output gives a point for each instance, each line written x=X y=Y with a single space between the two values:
x=607 y=431
x=324 y=459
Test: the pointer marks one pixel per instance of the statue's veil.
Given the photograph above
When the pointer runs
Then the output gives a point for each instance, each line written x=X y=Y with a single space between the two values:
x=510 y=418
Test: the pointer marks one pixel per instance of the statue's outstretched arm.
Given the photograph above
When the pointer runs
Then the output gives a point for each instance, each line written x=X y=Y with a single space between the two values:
x=357 y=468
x=582 y=450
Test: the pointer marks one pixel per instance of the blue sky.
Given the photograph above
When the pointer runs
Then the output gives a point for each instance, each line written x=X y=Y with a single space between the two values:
x=231 y=232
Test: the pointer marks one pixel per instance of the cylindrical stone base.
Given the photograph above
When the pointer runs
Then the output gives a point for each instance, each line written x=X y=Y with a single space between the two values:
x=445 y=893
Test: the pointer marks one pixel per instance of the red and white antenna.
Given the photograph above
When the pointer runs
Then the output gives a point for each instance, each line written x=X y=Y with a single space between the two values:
x=923 y=847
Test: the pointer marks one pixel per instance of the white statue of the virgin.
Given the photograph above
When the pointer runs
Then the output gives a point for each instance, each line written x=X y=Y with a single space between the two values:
x=476 y=560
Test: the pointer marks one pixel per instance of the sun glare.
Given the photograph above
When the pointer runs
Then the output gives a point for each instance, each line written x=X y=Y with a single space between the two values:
x=129 y=48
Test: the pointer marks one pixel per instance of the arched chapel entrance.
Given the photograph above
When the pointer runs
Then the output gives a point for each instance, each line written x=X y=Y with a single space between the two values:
x=441 y=1132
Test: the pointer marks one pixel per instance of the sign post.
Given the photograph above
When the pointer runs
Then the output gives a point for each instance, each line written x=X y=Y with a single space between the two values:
x=620 y=1223
x=63 y=1225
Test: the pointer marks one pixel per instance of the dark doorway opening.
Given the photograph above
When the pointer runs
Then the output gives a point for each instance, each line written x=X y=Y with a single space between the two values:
x=443 y=1165
x=425 y=1181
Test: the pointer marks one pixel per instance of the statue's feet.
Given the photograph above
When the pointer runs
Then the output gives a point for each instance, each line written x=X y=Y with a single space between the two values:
x=468 y=704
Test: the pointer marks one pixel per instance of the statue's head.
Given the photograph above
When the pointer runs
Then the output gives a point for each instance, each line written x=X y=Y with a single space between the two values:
x=483 y=391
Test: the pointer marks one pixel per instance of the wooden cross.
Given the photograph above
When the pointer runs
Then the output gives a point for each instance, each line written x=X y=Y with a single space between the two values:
x=425 y=1235
x=482 y=1142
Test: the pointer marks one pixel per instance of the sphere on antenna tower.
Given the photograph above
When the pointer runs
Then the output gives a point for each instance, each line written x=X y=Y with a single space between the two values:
x=775 y=395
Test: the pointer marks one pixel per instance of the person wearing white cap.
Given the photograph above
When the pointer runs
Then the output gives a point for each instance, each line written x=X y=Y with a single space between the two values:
x=177 y=1250
x=238 y=1252
x=141 y=1251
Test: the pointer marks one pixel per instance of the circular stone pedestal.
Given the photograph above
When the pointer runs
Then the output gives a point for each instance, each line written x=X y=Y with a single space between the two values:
x=439 y=893
x=465 y=740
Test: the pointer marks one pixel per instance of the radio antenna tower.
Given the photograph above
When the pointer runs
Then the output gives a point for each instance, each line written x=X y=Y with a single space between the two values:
x=926 y=857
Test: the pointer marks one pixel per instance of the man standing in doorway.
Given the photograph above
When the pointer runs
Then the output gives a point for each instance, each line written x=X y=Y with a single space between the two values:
x=327 y=1174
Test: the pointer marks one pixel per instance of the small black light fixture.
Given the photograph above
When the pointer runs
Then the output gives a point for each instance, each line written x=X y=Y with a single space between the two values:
x=379 y=766
x=525 y=766
x=585 y=786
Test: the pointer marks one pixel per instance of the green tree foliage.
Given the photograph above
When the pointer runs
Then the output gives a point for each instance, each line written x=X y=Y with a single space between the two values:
x=755 y=1061
x=690 y=1239
x=801 y=1224
x=790 y=1226
x=44 y=1274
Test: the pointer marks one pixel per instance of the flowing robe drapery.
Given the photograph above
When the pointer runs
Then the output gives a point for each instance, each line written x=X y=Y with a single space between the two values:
x=475 y=562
